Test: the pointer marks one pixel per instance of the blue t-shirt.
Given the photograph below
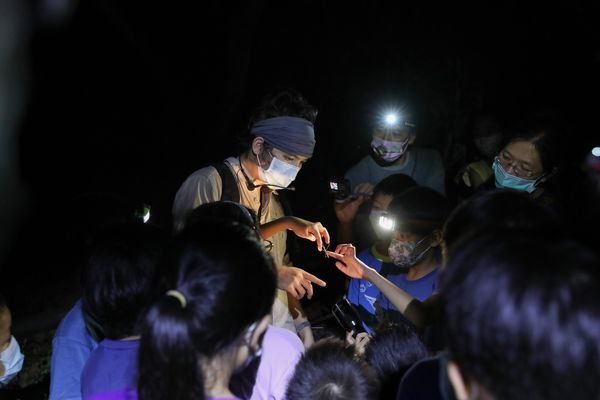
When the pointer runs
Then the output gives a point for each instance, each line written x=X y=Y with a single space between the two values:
x=71 y=347
x=423 y=165
x=362 y=294
x=420 y=288
x=112 y=366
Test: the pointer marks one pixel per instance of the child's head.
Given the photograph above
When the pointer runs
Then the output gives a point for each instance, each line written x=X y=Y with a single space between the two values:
x=330 y=371
x=118 y=278
x=419 y=214
x=218 y=289
x=383 y=194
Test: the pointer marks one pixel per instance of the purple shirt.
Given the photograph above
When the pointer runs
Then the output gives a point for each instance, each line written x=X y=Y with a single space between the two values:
x=281 y=352
x=132 y=395
x=112 y=366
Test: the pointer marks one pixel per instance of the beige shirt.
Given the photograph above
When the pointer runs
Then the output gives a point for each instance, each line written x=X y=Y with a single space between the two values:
x=205 y=186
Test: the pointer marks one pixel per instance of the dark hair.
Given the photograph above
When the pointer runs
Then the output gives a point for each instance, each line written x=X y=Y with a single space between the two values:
x=117 y=280
x=228 y=282
x=279 y=102
x=545 y=135
x=394 y=184
x=522 y=316
x=493 y=209
x=420 y=210
x=329 y=371
x=394 y=347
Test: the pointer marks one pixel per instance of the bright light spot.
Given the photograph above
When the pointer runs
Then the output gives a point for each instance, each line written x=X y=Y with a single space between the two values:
x=146 y=216
x=386 y=223
x=391 y=119
x=596 y=151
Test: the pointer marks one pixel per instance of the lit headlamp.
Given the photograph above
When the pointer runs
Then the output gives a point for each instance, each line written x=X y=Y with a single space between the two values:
x=387 y=222
x=392 y=120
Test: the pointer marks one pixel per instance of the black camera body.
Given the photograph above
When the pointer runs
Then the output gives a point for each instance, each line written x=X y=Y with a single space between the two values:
x=341 y=190
x=347 y=316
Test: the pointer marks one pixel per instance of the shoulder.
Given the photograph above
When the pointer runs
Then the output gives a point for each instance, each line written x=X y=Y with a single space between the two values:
x=282 y=341
x=72 y=326
x=426 y=153
x=362 y=164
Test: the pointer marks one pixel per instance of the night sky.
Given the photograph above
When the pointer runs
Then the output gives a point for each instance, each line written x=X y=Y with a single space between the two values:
x=131 y=97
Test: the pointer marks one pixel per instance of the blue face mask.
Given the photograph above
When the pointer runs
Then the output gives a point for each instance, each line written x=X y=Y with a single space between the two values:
x=12 y=358
x=508 y=181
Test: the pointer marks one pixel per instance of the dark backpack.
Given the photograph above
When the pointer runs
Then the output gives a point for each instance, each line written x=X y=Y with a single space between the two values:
x=231 y=192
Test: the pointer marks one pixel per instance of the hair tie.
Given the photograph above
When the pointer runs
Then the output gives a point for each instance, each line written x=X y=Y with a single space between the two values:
x=179 y=296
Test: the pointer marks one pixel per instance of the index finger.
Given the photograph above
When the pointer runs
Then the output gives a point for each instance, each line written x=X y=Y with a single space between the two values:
x=335 y=255
x=314 y=279
x=325 y=234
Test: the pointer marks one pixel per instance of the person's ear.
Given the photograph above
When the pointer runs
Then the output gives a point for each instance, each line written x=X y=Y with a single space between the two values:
x=257 y=147
x=259 y=331
x=461 y=389
x=412 y=138
x=436 y=238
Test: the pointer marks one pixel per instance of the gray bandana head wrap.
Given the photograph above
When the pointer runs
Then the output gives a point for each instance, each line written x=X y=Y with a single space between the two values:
x=293 y=135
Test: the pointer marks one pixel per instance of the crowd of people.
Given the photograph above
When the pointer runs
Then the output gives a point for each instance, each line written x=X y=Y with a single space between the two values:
x=471 y=282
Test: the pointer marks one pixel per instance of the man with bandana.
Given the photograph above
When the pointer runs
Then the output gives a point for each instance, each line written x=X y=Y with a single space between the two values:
x=281 y=139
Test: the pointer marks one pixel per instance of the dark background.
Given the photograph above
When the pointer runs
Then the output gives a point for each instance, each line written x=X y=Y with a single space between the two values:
x=130 y=97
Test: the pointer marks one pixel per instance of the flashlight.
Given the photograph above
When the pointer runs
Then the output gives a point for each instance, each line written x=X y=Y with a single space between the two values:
x=387 y=222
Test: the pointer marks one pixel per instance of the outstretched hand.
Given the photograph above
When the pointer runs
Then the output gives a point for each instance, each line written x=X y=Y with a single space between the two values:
x=345 y=254
x=313 y=231
x=297 y=282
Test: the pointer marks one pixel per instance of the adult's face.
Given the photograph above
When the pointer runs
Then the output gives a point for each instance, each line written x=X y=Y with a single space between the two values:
x=520 y=158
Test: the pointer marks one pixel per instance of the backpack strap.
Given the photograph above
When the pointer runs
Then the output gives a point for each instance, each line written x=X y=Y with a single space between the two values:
x=230 y=190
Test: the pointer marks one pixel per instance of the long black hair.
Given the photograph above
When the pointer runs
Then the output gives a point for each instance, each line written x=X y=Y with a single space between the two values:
x=228 y=283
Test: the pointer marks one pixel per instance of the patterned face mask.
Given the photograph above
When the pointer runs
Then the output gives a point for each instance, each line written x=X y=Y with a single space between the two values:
x=406 y=253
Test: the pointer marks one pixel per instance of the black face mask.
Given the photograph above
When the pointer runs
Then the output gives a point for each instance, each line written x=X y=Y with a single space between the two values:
x=244 y=378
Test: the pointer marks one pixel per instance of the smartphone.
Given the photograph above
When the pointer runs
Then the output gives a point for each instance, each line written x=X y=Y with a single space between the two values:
x=347 y=316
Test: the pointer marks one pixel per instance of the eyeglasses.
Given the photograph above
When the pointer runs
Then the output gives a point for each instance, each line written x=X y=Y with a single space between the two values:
x=517 y=170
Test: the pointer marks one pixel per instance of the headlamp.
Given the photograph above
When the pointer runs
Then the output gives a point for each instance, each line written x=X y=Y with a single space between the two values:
x=394 y=120
x=387 y=222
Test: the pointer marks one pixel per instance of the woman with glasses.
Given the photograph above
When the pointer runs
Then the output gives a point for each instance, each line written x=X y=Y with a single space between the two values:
x=529 y=162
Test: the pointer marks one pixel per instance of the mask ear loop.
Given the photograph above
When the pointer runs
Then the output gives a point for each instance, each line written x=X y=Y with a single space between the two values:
x=422 y=252
x=248 y=340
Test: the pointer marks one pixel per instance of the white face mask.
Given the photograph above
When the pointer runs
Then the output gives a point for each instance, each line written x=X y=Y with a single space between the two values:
x=279 y=174
x=12 y=358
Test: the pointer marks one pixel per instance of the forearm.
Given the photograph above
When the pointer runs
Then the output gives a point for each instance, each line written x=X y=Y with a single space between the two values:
x=272 y=227
x=301 y=322
x=398 y=297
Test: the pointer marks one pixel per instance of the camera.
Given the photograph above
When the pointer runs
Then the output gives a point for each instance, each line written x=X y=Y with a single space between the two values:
x=340 y=188
x=347 y=316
